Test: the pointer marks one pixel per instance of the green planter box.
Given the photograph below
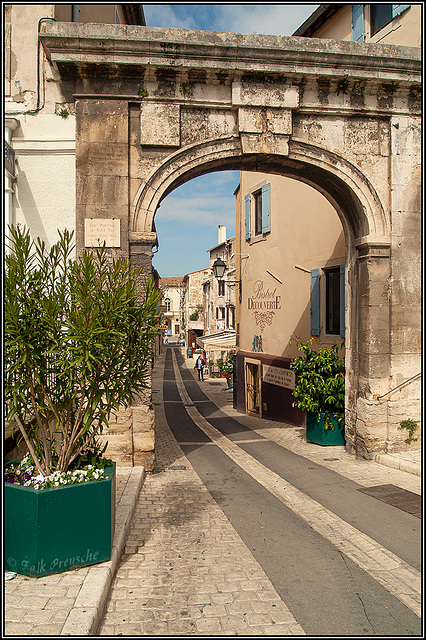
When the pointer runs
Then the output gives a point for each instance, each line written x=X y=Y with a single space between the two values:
x=315 y=431
x=58 y=529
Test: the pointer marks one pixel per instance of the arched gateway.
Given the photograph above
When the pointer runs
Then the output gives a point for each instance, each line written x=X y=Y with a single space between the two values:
x=158 y=107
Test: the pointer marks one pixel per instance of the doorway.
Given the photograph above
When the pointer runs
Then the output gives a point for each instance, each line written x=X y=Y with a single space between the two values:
x=253 y=387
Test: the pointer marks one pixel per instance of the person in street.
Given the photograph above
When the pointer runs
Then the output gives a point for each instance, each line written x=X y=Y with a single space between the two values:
x=199 y=365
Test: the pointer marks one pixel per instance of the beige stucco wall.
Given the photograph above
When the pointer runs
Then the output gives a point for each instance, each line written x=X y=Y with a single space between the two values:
x=45 y=186
x=306 y=233
x=44 y=141
x=404 y=30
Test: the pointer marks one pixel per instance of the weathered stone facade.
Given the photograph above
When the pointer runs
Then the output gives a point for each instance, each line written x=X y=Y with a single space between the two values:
x=156 y=107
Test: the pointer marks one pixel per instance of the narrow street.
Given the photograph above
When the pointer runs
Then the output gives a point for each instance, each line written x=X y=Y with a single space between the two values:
x=236 y=533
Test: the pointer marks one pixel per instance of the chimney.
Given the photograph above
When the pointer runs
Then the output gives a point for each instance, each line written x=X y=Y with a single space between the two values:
x=222 y=234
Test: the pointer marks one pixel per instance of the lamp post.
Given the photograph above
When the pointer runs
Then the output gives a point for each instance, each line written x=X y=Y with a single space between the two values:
x=219 y=268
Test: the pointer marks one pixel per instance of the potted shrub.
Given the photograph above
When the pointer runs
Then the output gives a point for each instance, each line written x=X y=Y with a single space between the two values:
x=79 y=337
x=227 y=370
x=320 y=390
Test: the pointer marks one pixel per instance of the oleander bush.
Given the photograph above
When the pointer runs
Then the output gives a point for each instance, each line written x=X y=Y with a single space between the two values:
x=79 y=336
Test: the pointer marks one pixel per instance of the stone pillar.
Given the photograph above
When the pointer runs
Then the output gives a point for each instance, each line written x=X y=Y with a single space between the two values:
x=373 y=347
x=143 y=414
x=102 y=173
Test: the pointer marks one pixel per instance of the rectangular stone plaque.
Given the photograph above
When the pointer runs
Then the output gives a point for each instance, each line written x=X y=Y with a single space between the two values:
x=100 y=230
x=280 y=377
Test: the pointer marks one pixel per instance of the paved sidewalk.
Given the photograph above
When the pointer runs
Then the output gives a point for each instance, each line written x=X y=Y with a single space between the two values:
x=175 y=579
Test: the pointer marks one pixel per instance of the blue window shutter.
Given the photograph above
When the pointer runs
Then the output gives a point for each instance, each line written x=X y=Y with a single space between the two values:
x=247 y=200
x=315 y=302
x=342 y=300
x=358 y=22
x=266 y=208
x=399 y=8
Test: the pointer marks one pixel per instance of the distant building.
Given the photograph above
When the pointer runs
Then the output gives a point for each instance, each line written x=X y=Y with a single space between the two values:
x=172 y=290
x=219 y=301
x=193 y=313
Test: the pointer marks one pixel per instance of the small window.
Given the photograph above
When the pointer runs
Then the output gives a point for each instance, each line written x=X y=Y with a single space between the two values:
x=332 y=288
x=333 y=281
x=381 y=15
x=167 y=303
x=257 y=197
x=257 y=211
x=221 y=287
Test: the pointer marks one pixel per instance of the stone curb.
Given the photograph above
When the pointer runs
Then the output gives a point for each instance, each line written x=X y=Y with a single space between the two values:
x=86 y=615
x=395 y=463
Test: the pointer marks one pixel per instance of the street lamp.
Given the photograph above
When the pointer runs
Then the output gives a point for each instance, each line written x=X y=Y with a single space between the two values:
x=219 y=268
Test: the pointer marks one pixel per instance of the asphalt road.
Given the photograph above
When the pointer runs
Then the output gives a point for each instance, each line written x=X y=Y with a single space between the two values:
x=326 y=591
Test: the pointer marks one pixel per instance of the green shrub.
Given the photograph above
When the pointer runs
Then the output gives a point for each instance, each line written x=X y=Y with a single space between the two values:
x=320 y=381
x=78 y=345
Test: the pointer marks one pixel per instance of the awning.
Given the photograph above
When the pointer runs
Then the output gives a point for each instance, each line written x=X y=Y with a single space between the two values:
x=220 y=340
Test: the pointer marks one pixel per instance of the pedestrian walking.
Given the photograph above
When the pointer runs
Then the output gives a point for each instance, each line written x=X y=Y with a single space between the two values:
x=199 y=366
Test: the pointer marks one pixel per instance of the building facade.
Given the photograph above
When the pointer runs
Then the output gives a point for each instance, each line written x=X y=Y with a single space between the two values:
x=172 y=293
x=193 y=326
x=219 y=301
x=376 y=23
x=291 y=262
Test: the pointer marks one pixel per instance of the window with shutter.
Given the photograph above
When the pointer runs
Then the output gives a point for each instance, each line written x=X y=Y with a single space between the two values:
x=399 y=8
x=342 y=300
x=247 y=219
x=266 y=208
x=315 y=302
x=358 y=33
x=257 y=197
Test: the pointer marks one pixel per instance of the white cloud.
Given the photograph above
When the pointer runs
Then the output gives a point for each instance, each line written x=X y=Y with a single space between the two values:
x=163 y=15
x=203 y=210
x=269 y=19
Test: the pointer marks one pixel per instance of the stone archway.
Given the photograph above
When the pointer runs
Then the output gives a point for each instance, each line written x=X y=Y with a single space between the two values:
x=352 y=195
x=187 y=103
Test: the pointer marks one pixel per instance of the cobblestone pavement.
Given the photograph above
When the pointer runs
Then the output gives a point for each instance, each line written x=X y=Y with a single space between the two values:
x=183 y=570
x=186 y=571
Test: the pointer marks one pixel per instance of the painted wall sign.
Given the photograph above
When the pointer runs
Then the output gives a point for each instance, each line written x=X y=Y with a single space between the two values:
x=264 y=303
x=278 y=376
x=100 y=230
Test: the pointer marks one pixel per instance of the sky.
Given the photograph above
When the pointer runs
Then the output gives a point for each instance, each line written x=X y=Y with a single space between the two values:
x=187 y=220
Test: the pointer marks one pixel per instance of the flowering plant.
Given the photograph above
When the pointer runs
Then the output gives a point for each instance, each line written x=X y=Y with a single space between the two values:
x=79 y=337
x=320 y=382
x=25 y=474
x=226 y=367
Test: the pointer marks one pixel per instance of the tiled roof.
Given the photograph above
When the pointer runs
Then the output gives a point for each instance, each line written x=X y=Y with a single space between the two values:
x=171 y=281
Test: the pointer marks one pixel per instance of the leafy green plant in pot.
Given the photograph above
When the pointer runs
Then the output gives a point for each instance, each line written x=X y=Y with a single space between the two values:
x=226 y=368
x=79 y=337
x=320 y=390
